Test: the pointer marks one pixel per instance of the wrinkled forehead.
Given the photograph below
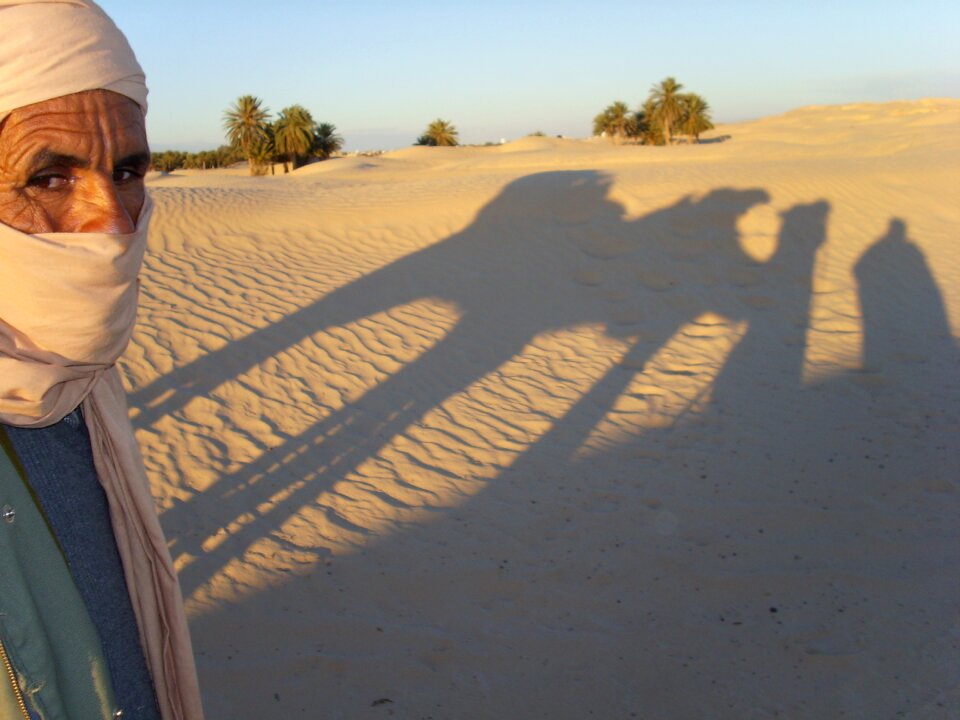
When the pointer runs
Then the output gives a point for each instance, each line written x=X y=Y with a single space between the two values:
x=90 y=108
x=89 y=127
x=55 y=48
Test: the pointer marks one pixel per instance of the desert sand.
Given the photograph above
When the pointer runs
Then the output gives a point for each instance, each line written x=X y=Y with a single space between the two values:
x=561 y=429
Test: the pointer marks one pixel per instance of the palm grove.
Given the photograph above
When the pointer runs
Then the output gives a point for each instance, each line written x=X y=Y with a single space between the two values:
x=664 y=115
x=293 y=138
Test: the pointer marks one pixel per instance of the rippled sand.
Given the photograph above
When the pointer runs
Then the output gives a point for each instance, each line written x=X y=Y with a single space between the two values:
x=560 y=429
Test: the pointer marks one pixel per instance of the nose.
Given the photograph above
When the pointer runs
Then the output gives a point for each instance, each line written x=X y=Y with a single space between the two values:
x=98 y=207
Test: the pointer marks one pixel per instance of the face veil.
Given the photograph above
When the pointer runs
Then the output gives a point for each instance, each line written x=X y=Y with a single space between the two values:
x=67 y=311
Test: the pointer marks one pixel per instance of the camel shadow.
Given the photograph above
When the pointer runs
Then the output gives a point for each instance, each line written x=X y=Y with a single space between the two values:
x=551 y=252
x=780 y=543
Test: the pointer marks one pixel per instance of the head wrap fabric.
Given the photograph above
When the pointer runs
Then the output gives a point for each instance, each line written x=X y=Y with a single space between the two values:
x=67 y=309
x=52 y=48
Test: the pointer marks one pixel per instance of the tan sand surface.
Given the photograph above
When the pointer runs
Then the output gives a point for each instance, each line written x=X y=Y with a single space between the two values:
x=560 y=429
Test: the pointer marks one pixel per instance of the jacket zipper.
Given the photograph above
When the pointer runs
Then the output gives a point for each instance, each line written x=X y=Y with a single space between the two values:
x=12 y=677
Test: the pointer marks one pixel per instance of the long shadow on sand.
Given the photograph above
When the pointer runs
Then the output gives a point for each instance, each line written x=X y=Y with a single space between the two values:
x=779 y=554
x=512 y=276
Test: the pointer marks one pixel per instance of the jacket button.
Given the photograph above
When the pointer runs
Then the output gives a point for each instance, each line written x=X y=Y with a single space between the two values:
x=117 y=714
x=8 y=513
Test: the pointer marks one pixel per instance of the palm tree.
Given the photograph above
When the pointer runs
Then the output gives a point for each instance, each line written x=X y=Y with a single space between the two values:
x=668 y=106
x=326 y=142
x=616 y=122
x=696 y=116
x=649 y=129
x=439 y=132
x=262 y=154
x=641 y=124
x=293 y=134
x=246 y=124
x=168 y=161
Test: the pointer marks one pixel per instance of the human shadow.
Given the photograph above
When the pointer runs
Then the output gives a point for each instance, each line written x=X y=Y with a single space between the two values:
x=896 y=286
x=770 y=358
x=551 y=252
x=774 y=302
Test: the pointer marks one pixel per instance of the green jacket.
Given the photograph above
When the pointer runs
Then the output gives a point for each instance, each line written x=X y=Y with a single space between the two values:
x=51 y=659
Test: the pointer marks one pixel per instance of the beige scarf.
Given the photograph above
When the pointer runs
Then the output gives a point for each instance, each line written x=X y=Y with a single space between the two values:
x=67 y=309
x=51 y=48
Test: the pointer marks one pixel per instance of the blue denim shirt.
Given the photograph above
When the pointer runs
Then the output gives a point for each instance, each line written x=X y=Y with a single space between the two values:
x=58 y=462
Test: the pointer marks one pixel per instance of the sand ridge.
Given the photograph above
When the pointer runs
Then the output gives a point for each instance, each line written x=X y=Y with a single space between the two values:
x=563 y=429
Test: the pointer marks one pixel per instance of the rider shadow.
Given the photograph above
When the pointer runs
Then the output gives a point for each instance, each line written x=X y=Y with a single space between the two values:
x=764 y=368
x=551 y=252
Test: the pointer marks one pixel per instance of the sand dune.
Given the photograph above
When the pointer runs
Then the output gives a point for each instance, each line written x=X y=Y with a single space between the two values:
x=558 y=429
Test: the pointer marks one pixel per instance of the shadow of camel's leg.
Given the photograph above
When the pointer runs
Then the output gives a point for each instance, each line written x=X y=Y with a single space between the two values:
x=390 y=287
x=267 y=492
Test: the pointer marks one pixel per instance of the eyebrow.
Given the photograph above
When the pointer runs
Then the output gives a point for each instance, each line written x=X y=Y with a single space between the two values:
x=140 y=158
x=47 y=158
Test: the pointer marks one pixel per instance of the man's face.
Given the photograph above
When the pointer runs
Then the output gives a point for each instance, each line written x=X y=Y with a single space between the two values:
x=74 y=164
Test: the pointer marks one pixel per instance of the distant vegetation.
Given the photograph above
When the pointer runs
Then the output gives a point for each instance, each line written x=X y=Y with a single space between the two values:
x=293 y=138
x=439 y=133
x=171 y=160
x=664 y=115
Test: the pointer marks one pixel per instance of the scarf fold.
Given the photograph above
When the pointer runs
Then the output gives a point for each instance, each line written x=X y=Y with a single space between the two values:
x=67 y=310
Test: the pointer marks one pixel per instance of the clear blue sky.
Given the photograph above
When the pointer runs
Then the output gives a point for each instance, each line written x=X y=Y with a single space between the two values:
x=380 y=70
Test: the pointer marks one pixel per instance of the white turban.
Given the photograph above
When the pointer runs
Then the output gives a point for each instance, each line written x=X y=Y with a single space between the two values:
x=52 y=48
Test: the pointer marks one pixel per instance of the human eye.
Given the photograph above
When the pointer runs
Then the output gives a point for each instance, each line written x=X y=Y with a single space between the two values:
x=49 y=180
x=124 y=175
